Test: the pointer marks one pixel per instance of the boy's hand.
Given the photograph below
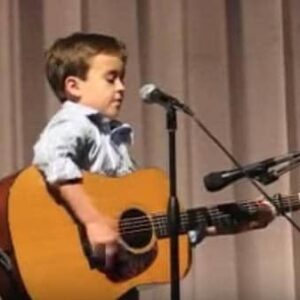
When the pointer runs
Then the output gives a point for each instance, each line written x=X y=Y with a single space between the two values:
x=100 y=230
x=265 y=214
x=103 y=237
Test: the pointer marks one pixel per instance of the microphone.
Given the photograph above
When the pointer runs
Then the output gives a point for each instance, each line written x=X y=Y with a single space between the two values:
x=150 y=94
x=215 y=181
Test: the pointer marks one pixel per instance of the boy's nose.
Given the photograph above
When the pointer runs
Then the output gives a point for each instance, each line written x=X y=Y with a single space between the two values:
x=120 y=85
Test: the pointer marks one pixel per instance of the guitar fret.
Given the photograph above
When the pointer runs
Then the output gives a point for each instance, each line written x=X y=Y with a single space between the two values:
x=184 y=222
x=166 y=230
x=159 y=226
x=289 y=205
x=277 y=202
x=227 y=217
x=216 y=216
x=197 y=217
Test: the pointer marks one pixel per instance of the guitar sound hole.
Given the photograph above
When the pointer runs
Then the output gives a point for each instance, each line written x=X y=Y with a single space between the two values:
x=136 y=228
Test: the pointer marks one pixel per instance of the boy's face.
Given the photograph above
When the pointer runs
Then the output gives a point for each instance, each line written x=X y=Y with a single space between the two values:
x=103 y=88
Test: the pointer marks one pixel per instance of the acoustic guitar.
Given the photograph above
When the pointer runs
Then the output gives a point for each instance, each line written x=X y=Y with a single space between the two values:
x=50 y=250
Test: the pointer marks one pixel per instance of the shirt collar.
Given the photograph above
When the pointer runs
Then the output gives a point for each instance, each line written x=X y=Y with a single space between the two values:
x=118 y=130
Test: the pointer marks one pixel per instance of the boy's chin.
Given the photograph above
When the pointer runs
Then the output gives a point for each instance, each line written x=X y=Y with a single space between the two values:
x=111 y=114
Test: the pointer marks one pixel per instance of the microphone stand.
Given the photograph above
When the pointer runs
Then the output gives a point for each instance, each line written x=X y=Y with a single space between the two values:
x=173 y=205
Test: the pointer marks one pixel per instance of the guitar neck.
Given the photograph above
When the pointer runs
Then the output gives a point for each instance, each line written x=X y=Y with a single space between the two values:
x=224 y=216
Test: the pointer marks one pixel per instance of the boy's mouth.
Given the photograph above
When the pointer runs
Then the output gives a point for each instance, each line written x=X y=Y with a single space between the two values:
x=118 y=103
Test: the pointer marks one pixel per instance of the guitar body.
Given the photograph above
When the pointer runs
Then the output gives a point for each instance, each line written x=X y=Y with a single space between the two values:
x=48 y=249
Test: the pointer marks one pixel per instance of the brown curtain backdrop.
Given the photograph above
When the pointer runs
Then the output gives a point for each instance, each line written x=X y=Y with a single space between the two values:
x=236 y=63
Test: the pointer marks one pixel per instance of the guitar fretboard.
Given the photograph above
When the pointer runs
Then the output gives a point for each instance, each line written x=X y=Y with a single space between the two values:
x=226 y=216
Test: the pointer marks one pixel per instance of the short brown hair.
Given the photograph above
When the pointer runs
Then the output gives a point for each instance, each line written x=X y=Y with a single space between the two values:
x=70 y=56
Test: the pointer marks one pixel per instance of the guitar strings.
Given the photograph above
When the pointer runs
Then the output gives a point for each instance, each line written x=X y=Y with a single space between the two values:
x=212 y=211
x=249 y=205
x=159 y=220
x=162 y=225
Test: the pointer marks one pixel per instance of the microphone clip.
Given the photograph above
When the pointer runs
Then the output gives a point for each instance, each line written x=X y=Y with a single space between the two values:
x=272 y=175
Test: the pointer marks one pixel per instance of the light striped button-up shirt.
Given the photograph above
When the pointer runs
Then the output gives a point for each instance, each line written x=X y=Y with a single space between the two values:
x=79 y=138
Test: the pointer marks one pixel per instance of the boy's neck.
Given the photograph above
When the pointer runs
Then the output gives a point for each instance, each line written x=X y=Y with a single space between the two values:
x=86 y=109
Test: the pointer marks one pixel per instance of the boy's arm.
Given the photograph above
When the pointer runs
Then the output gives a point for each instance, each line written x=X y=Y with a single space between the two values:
x=56 y=155
x=101 y=230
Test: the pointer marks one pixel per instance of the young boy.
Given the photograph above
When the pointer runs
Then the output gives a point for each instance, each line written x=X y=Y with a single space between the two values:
x=86 y=72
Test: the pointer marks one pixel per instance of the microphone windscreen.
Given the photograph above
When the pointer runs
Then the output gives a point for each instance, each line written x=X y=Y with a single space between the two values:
x=146 y=90
x=213 y=182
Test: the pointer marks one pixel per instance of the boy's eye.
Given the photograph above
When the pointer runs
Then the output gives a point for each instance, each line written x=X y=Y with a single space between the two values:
x=111 y=78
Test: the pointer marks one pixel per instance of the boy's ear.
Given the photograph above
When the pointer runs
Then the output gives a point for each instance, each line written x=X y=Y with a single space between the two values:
x=72 y=87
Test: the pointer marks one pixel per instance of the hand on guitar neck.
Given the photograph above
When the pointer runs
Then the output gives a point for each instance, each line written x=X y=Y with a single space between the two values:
x=232 y=218
x=265 y=214
x=258 y=216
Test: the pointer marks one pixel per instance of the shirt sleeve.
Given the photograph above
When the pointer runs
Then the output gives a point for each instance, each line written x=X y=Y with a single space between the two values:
x=57 y=152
